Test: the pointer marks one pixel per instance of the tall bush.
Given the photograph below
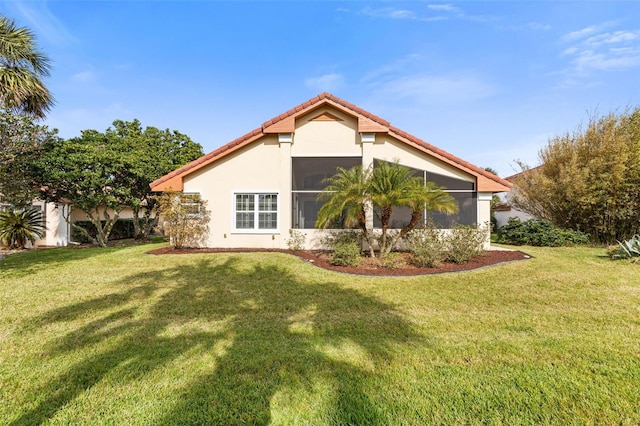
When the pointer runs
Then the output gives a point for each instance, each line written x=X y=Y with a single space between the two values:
x=344 y=247
x=589 y=180
x=186 y=219
x=465 y=242
x=428 y=246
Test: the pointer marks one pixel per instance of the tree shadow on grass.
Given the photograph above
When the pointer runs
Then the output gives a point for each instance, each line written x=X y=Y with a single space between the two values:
x=31 y=261
x=274 y=339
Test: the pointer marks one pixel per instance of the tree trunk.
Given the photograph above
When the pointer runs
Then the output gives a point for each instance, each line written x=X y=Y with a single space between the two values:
x=385 y=217
x=416 y=216
x=137 y=232
x=362 y=223
x=142 y=226
x=103 y=232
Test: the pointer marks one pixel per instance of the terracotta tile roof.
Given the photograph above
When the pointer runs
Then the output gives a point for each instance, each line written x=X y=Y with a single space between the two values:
x=444 y=155
x=522 y=173
x=486 y=180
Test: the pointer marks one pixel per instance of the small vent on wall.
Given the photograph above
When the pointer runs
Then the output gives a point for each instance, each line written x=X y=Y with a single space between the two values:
x=326 y=116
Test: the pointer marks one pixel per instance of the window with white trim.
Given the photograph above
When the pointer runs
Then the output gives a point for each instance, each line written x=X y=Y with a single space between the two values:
x=255 y=211
x=191 y=204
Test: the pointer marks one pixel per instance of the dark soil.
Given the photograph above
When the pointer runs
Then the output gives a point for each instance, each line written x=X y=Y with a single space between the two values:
x=368 y=265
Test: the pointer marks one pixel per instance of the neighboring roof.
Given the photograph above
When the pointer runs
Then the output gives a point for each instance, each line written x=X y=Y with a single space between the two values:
x=367 y=123
x=512 y=178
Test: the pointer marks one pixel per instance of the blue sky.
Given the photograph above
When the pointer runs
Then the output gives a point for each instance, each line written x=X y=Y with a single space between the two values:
x=490 y=82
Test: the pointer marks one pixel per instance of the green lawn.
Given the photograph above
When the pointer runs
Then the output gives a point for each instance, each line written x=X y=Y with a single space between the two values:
x=115 y=336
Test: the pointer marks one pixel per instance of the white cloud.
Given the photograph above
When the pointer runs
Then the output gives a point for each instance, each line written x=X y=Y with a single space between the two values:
x=425 y=88
x=391 y=69
x=389 y=12
x=587 y=31
x=538 y=26
x=613 y=38
x=594 y=48
x=577 y=35
x=529 y=26
x=83 y=77
x=443 y=7
x=44 y=22
x=326 y=83
x=406 y=79
x=402 y=14
x=445 y=12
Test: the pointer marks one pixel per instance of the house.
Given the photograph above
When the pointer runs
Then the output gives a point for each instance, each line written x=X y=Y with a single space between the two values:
x=265 y=183
x=506 y=210
x=58 y=232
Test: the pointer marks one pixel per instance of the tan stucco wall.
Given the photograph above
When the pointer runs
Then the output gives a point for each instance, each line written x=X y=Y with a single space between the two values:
x=265 y=166
x=255 y=168
x=326 y=138
x=125 y=213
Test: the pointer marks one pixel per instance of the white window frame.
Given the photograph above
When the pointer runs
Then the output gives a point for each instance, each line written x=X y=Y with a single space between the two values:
x=256 y=212
x=187 y=203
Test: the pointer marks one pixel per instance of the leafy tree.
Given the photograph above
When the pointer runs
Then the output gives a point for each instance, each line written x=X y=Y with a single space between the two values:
x=151 y=153
x=19 y=226
x=90 y=174
x=101 y=173
x=588 y=180
x=352 y=192
x=21 y=141
x=22 y=67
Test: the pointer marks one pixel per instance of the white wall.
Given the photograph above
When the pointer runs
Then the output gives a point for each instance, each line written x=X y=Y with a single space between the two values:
x=502 y=217
x=57 y=229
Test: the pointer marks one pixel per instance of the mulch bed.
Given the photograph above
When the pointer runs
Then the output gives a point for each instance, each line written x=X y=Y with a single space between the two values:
x=368 y=266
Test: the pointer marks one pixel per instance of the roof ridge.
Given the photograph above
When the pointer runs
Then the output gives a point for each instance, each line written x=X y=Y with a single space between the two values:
x=323 y=97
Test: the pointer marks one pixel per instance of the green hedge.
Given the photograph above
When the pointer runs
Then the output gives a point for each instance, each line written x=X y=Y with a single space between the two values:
x=539 y=232
x=121 y=230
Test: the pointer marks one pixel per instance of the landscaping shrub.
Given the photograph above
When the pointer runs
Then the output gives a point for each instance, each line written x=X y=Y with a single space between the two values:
x=345 y=247
x=465 y=242
x=392 y=260
x=186 y=219
x=345 y=254
x=539 y=232
x=629 y=249
x=122 y=229
x=428 y=246
x=296 y=240
x=19 y=226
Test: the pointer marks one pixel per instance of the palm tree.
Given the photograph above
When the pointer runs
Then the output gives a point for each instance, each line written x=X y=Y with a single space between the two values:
x=22 y=68
x=346 y=197
x=351 y=192
x=394 y=185
x=18 y=227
